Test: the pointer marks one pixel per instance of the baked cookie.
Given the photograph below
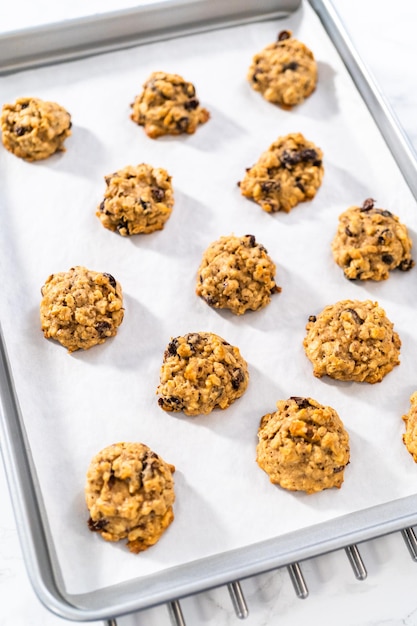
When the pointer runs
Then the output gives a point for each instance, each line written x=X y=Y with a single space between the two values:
x=81 y=308
x=33 y=129
x=137 y=199
x=168 y=106
x=285 y=72
x=352 y=340
x=201 y=372
x=303 y=446
x=410 y=435
x=371 y=242
x=289 y=172
x=129 y=494
x=236 y=273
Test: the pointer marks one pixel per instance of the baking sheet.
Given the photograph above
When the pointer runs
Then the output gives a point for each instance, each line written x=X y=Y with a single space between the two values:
x=75 y=405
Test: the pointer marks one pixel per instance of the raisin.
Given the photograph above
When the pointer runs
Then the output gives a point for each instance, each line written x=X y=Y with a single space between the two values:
x=300 y=186
x=21 y=130
x=292 y=65
x=406 y=264
x=211 y=300
x=182 y=124
x=252 y=241
x=288 y=158
x=238 y=377
x=302 y=403
x=348 y=232
x=171 y=403
x=146 y=206
x=122 y=225
x=172 y=348
x=368 y=204
x=193 y=339
x=312 y=318
x=355 y=316
x=270 y=185
x=24 y=105
x=338 y=469
x=111 y=279
x=386 y=213
x=102 y=328
x=284 y=34
x=387 y=259
x=308 y=154
x=158 y=194
x=102 y=205
x=97 y=525
x=191 y=104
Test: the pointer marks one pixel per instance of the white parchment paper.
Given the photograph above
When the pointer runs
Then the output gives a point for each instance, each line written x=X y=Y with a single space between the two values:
x=74 y=405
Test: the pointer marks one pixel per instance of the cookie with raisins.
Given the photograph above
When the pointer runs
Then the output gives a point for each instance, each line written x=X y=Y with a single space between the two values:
x=201 y=372
x=370 y=242
x=289 y=172
x=284 y=72
x=34 y=129
x=138 y=199
x=130 y=495
x=81 y=308
x=168 y=105
x=303 y=446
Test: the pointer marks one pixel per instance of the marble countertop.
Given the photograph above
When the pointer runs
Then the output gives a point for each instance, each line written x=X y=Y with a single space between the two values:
x=385 y=38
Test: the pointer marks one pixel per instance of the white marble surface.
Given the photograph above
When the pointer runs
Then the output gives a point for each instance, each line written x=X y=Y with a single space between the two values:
x=384 y=34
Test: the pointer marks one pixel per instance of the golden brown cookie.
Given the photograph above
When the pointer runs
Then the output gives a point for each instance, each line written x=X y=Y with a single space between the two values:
x=138 y=199
x=289 y=172
x=81 y=308
x=129 y=494
x=370 y=242
x=34 y=129
x=352 y=340
x=303 y=446
x=410 y=435
x=168 y=106
x=201 y=372
x=236 y=273
x=285 y=72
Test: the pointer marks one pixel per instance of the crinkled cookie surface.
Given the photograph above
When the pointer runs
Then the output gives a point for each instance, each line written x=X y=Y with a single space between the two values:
x=81 y=308
x=201 y=372
x=236 y=273
x=370 y=242
x=138 y=199
x=303 y=446
x=289 y=172
x=34 y=129
x=284 y=72
x=168 y=105
x=352 y=340
x=130 y=495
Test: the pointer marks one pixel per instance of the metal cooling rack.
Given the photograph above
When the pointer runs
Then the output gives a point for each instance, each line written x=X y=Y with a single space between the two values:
x=295 y=573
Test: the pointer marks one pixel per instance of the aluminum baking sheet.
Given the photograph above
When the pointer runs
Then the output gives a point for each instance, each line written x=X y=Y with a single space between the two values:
x=229 y=520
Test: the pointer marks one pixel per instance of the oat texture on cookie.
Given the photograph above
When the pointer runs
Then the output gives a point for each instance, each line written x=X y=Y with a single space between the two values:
x=236 y=273
x=410 y=435
x=168 y=105
x=289 y=172
x=352 y=340
x=284 y=72
x=370 y=242
x=138 y=199
x=130 y=495
x=34 y=129
x=81 y=308
x=303 y=446
x=201 y=372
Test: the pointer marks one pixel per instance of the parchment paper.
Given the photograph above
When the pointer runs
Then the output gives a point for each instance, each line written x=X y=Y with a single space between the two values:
x=74 y=405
